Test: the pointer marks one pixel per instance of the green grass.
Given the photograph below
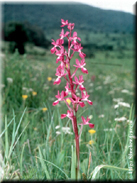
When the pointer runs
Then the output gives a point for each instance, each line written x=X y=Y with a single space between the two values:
x=30 y=146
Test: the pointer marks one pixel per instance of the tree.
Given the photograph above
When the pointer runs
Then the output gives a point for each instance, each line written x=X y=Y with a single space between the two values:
x=15 y=33
x=20 y=33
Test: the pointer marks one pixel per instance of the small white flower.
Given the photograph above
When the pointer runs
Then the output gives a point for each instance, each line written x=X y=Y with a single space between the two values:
x=125 y=91
x=57 y=127
x=129 y=121
x=117 y=99
x=121 y=119
x=66 y=130
x=116 y=106
x=124 y=104
x=101 y=116
x=10 y=80
x=90 y=117
x=69 y=132
x=58 y=132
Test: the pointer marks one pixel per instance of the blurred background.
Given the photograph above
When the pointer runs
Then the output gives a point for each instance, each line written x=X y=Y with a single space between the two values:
x=38 y=23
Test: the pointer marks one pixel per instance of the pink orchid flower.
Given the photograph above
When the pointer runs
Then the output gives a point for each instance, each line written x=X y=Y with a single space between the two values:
x=60 y=54
x=81 y=65
x=62 y=35
x=60 y=73
x=85 y=97
x=58 y=43
x=59 y=97
x=71 y=26
x=74 y=38
x=78 y=48
x=77 y=100
x=79 y=82
x=69 y=115
x=64 y=22
x=86 y=122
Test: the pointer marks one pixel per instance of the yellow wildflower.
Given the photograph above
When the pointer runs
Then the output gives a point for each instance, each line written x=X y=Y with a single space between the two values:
x=49 y=78
x=35 y=129
x=24 y=97
x=92 y=131
x=34 y=93
x=91 y=142
x=44 y=109
x=68 y=101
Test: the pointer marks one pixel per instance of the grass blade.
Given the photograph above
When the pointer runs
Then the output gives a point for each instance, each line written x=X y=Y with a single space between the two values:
x=44 y=165
x=14 y=134
x=73 y=164
x=6 y=127
x=6 y=140
x=55 y=166
x=97 y=169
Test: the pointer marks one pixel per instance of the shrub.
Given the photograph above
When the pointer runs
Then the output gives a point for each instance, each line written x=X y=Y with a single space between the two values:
x=20 y=33
x=15 y=33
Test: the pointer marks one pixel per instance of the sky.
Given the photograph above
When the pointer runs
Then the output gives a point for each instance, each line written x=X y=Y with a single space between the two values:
x=120 y=5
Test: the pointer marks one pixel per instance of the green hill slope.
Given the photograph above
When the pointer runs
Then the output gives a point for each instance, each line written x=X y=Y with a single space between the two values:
x=48 y=16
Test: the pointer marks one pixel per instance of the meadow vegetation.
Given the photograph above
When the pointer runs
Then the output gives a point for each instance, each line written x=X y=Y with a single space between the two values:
x=37 y=145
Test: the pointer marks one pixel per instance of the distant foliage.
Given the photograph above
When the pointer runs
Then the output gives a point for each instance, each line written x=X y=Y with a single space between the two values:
x=18 y=34
x=15 y=33
x=36 y=35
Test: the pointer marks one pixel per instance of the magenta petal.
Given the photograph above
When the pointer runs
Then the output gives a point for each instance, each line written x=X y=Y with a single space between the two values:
x=55 y=103
x=91 y=103
x=82 y=55
x=81 y=104
x=58 y=81
x=53 y=50
x=91 y=125
x=81 y=88
x=84 y=70
x=63 y=116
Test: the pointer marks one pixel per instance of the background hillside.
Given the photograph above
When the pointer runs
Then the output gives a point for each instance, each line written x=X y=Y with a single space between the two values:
x=47 y=16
